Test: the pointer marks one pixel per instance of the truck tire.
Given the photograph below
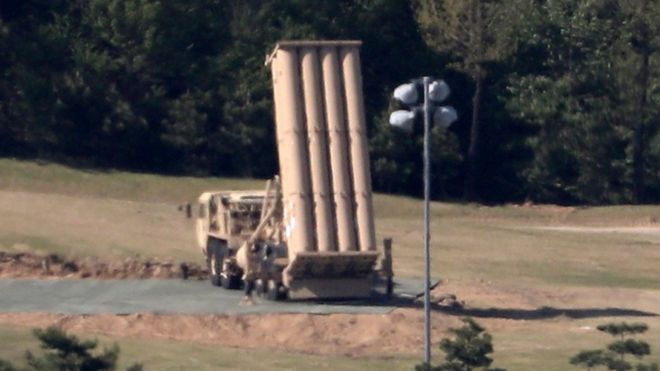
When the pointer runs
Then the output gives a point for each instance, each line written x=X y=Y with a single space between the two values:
x=275 y=291
x=230 y=282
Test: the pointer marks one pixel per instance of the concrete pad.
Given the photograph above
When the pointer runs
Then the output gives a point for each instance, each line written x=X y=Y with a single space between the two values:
x=168 y=297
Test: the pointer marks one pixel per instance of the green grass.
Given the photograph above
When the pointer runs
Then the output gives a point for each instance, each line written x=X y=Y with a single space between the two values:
x=53 y=208
x=549 y=346
x=50 y=207
x=58 y=179
x=174 y=355
x=544 y=347
x=500 y=250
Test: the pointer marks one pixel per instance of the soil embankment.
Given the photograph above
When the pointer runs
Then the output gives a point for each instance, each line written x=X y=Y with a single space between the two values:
x=31 y=265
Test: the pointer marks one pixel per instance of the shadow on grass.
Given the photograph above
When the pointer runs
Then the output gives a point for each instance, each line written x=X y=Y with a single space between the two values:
x=502 y=313
x=544 y=312
x=402 y=299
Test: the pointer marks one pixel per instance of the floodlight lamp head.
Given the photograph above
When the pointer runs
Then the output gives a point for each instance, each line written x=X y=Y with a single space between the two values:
x=403 y=120
x=444 y=116
x=438 y=91
x=407 y=94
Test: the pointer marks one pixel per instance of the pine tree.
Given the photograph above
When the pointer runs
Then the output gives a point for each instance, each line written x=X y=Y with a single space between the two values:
x=614 y=357
x=468 y=351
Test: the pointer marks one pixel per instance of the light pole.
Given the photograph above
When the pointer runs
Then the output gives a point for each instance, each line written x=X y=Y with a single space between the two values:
x=408 y=94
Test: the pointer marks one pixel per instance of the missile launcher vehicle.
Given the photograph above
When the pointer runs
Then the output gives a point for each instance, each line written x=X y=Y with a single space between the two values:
x=310 y=233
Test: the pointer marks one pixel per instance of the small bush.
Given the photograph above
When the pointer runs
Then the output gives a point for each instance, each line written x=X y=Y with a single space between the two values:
x=65 y=352
x=468 y=351
x=615 y=356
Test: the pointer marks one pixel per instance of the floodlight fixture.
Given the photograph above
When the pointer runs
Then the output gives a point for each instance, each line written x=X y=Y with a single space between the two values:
x=407 y=94
x=444 y=116
x=438 y=91
x=433 y=92
x=403 y=119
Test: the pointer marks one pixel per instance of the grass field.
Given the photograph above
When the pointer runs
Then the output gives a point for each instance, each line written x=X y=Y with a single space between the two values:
x=171 y=355
x=562 y=257
x=54 y=208
x=543 y=346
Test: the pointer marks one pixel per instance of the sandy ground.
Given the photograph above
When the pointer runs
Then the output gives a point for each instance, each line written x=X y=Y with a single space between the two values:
x=495 y=306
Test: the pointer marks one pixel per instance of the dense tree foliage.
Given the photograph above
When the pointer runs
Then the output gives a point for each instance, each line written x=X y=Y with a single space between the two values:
x=580 y=100
x=470 y=33
x=558 y=99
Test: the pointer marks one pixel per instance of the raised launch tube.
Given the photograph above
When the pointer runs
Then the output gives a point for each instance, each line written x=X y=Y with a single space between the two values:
x=293 y=157
x=318 y=149
x=339 y=160
x=357 y=132
x=324 y=168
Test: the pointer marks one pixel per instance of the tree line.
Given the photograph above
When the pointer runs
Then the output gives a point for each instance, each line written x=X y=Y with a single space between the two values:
x=558 y=99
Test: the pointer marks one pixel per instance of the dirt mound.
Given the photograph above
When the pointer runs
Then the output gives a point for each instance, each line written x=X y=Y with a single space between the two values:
x=30 y=265
x=344 y=334
x=498 y=308
x=358 y=335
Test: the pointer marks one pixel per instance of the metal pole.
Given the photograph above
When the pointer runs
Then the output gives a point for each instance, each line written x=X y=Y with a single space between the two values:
x=427 y=236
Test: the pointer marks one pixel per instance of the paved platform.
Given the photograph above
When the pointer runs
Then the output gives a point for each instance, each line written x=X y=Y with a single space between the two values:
x=173 y=297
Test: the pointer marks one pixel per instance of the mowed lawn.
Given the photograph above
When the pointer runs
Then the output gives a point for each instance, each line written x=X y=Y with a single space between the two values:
x=115 y=214
x=582 y=257
x=173 y=355
x=541 y=347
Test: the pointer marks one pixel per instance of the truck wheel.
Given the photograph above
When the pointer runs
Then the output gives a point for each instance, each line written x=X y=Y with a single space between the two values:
x=230 y=282
x=276 y=291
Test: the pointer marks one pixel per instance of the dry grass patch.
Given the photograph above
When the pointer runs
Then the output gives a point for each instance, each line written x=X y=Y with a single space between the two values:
x=503 y=259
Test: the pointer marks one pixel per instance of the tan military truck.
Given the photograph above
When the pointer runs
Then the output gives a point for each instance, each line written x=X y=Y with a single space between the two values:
x=310 y=233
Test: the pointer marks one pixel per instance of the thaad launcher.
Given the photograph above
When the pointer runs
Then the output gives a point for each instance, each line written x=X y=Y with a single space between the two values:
x=311 y=233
